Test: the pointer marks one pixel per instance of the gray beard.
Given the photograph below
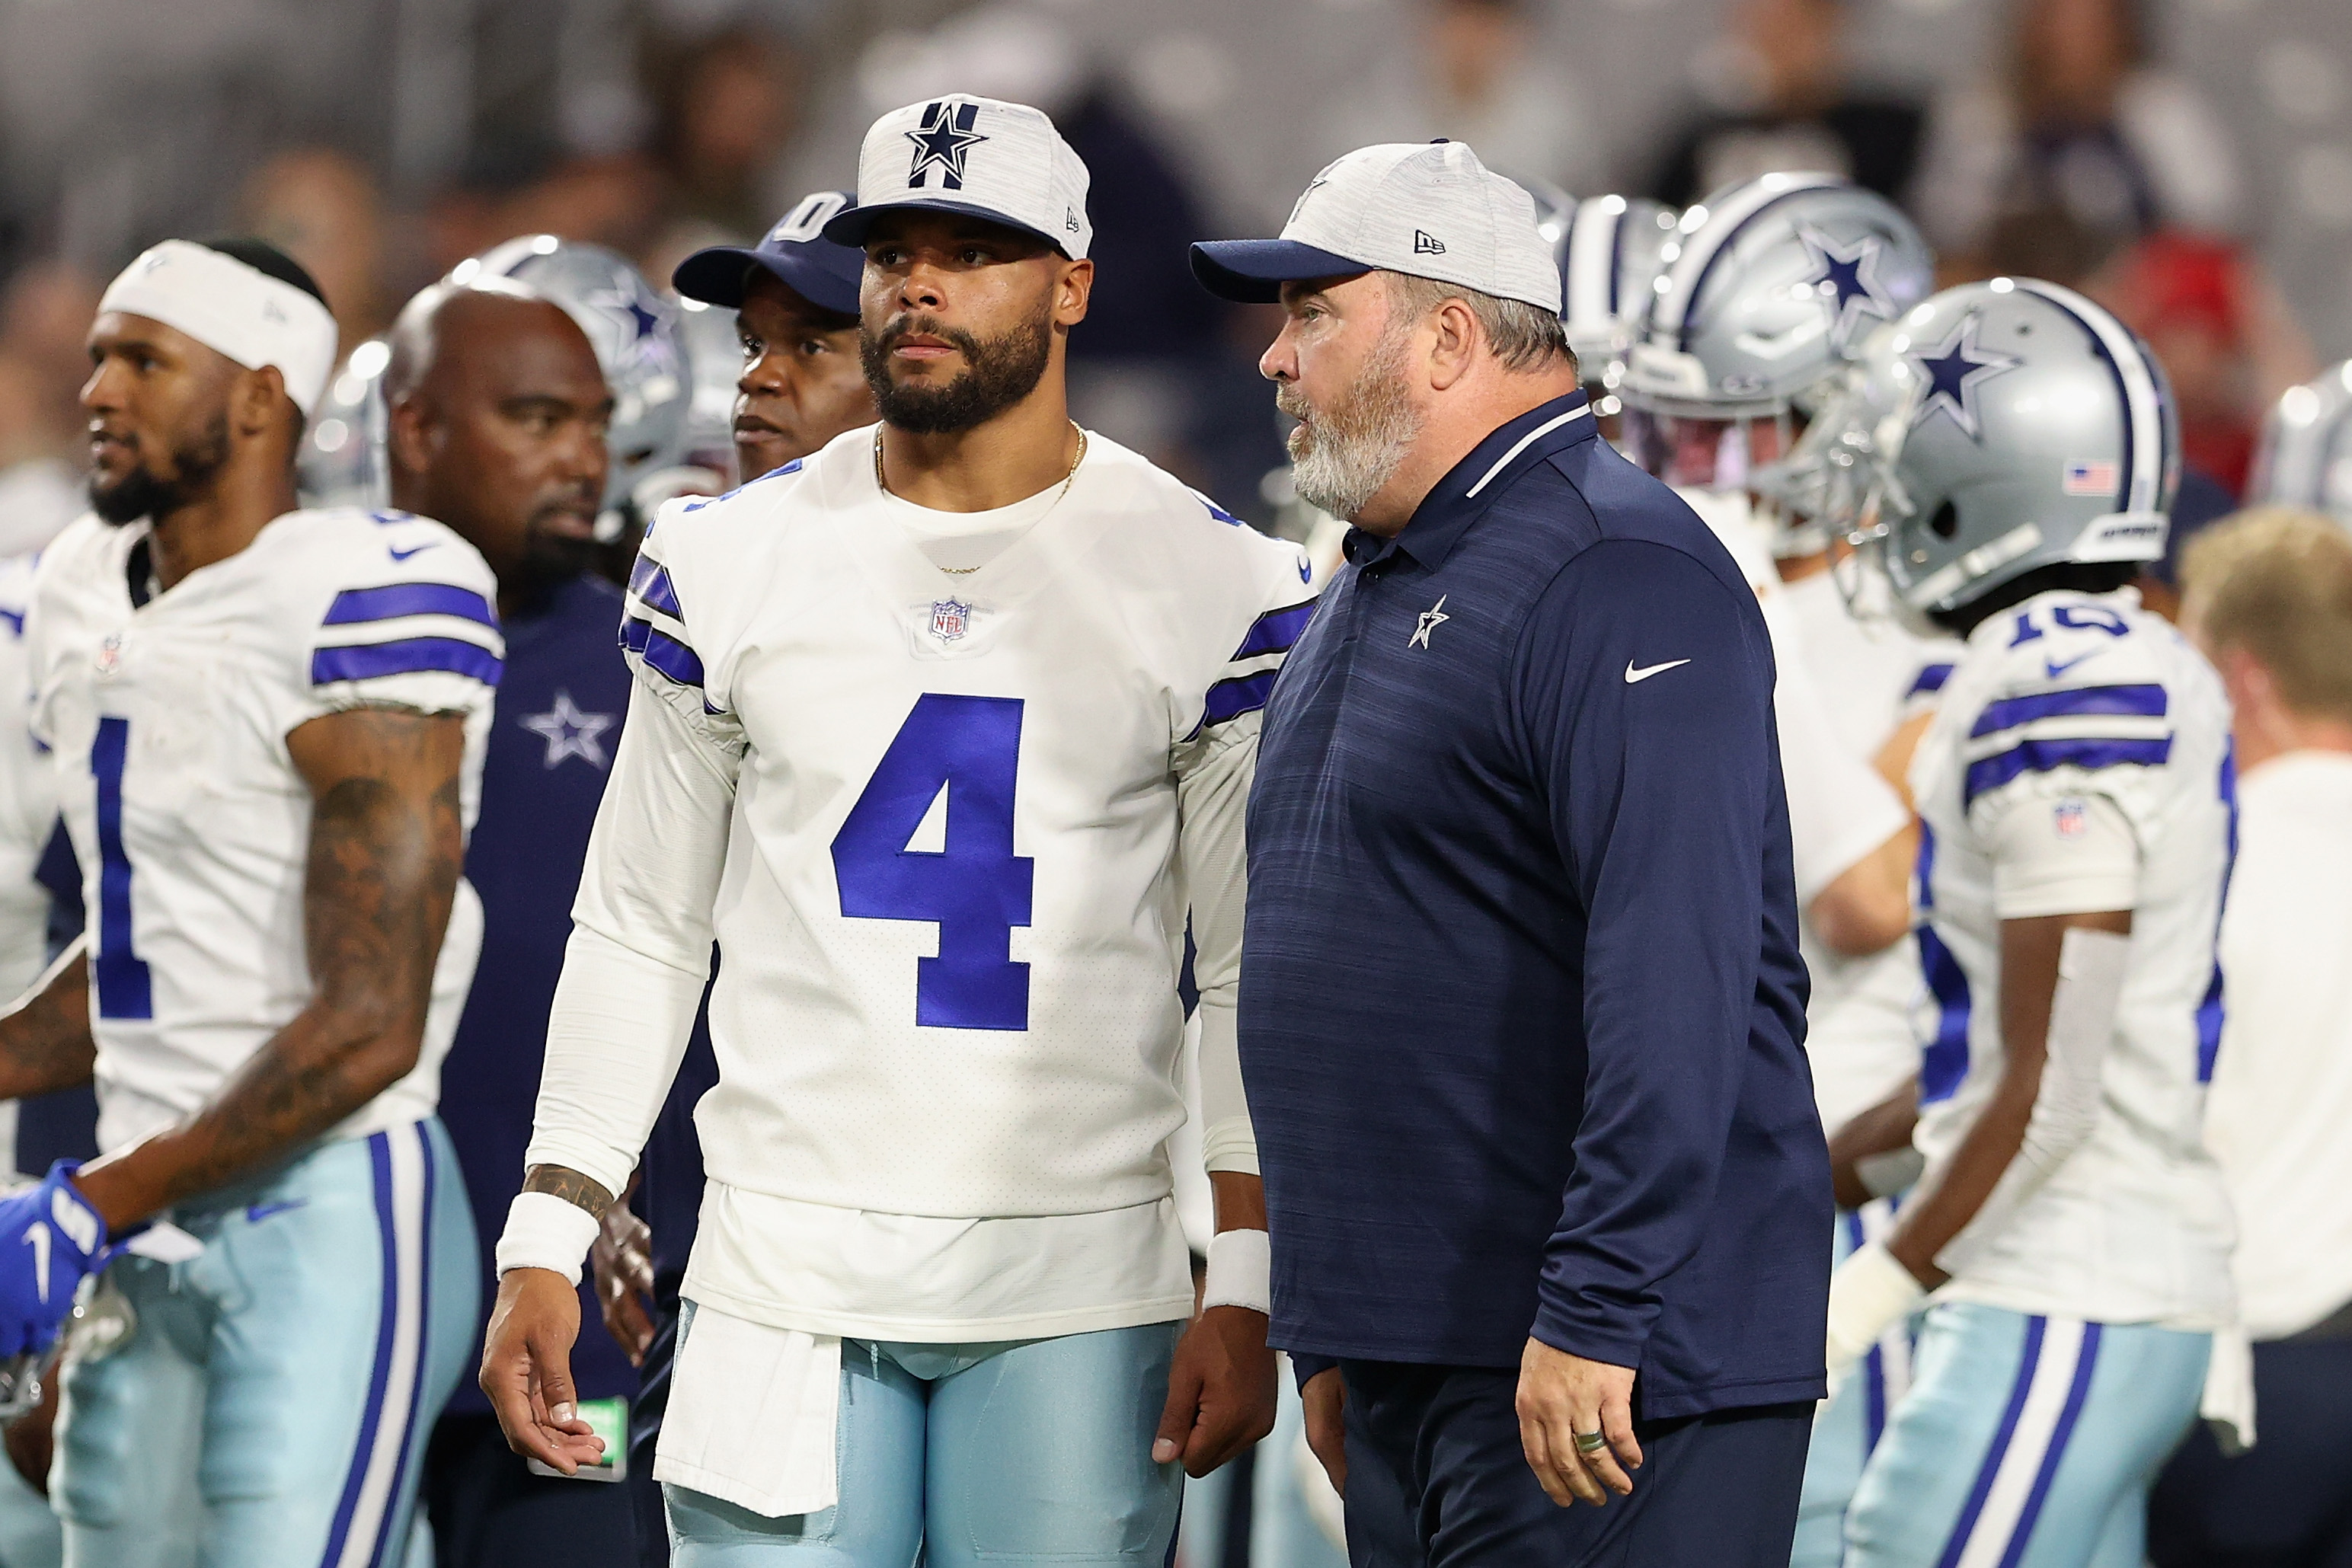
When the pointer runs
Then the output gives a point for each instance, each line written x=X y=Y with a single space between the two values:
x=1340 y=460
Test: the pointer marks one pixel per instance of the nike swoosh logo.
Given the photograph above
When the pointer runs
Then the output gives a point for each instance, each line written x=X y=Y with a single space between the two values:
x=261 y=1211
x=1633 y=675
x=413 y=549
x=2052 y=669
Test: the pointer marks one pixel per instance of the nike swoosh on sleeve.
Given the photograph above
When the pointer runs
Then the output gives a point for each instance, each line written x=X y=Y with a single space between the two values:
x=398 y=554
x=1643 y=674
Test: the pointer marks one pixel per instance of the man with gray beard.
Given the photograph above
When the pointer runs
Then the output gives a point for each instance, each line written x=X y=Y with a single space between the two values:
x=1523 y=1014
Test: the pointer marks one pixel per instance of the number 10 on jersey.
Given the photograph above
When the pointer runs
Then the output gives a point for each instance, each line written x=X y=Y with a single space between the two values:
x=976 y=889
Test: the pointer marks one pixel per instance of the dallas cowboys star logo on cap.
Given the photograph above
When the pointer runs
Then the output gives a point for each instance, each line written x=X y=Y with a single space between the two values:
x=1954 y=369
x=945 y=140
x=1847 y=280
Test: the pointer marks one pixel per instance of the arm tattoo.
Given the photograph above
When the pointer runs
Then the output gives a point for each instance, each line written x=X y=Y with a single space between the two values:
x=386 y=849
x=45 y=1041
x=571 y=1186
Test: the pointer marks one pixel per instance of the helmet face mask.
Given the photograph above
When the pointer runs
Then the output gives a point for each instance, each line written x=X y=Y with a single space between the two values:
x=2004 y=426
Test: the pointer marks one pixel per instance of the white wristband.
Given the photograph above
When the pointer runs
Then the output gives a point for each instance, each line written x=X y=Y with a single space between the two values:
x=544 y=1231
x=1241 y=1271
x=1870 y=1293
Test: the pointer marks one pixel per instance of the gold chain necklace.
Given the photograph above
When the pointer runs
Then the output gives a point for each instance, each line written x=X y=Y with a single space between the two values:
x=1068 y=479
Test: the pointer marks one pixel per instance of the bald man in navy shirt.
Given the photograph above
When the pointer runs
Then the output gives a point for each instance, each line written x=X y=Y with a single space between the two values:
x=1522 y=1015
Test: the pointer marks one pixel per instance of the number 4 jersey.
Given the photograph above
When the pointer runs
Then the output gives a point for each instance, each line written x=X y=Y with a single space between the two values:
x=2079 y=761
x=947 y=826
x=167 y=721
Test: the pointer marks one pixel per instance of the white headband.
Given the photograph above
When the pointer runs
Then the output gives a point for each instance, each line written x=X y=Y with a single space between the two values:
x=234 y=309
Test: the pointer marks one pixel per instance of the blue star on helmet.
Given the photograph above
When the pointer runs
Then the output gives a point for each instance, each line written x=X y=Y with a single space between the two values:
x=628 y=306
x=1954 y=370
x=1846 y=278
x=944 y=142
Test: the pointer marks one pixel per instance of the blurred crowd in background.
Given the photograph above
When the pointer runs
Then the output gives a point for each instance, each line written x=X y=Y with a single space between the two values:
x=2187 y=161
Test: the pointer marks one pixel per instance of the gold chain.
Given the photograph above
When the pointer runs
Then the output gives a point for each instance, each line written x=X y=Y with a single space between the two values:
x=1068 y=480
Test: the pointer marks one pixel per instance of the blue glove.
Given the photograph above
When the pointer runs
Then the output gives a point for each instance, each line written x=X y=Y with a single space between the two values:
x=51 y=1238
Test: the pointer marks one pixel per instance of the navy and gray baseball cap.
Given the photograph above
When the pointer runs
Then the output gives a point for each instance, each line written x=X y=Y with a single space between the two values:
x=795 y=253
x=980 y=156
x=1425 y=209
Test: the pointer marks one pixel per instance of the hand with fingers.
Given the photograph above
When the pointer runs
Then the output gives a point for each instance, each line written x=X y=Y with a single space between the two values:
x=624 y=1264
x=1326 y=1399
x=526 y=1370
x=1220 y=1391
x=1576 y=1425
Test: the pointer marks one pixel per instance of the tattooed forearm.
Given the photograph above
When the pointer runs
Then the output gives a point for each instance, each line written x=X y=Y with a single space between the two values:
x=386 y=849
x=44 y=1041
x=571 y=1186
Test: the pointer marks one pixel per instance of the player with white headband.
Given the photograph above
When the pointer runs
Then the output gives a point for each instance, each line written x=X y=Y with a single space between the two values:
x=268 y=728
x=942 y=731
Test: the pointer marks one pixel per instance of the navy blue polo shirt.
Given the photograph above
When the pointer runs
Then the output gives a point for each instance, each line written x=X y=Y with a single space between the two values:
x=560 y=708
x=1522 y=1017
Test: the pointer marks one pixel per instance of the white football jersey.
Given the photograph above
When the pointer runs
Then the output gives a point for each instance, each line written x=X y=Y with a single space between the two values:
x=167 y=723
x=28 y=813
x=2077 y=710
x=969 y=812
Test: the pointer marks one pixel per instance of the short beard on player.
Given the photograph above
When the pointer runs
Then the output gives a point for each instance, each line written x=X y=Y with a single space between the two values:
x=1341 y=456
x=998 y=373
x=139 y=493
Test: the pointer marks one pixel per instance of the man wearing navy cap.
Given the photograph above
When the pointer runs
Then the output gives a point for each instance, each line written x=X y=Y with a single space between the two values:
x=1523 y=1019
x=794 y=296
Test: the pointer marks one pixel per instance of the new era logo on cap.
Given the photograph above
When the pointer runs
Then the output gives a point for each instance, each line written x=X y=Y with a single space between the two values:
x=979 y=156
x=1382 y=209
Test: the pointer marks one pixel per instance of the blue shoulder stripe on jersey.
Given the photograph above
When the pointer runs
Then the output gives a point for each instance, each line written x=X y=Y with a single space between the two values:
x=2147 y=701
x=1931 y=679
x=1215 y=511
x=663 y=652
x=2043 y=756
x=650 y=580
x=1944 y=1060
x=15 y=619
x=355 y=605
x=407 y=656
x=1276 y=631
x=1231 y=698
x=776 y=473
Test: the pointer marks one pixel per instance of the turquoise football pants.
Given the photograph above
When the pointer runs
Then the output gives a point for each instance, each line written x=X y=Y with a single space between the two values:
x=270 y=1408
x=1036 y=1452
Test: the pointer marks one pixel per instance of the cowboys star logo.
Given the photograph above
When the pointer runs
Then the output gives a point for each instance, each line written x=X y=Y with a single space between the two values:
x=943 y=144
x=1846 y=278
x=1954 y=370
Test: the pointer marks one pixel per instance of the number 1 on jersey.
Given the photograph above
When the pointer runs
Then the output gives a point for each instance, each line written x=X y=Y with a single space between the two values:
x=976 y=888
x=124 y=988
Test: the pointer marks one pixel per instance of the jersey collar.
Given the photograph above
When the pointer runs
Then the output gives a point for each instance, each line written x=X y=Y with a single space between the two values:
x=1471 y=485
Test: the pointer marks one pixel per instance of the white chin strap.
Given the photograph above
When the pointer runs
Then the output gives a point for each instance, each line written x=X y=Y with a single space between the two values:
x=234 y=309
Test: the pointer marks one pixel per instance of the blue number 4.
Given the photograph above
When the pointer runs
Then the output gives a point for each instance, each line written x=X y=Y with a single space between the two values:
x=125 y=990
x=976 y=889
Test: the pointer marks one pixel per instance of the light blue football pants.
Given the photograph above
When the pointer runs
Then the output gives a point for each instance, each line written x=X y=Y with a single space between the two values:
x=1033 y=1452
x=270 y=1408
x=2025 y=1442
x=1850 y=1423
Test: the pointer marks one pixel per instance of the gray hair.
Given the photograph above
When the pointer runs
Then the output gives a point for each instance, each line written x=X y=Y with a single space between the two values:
x=1524 y=337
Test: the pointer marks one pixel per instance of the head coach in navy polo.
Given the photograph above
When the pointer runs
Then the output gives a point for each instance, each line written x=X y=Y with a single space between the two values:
x=1521 y=1012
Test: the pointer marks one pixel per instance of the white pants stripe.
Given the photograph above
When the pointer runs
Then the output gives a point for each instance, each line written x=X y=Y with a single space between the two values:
x=2051 y=1383
x=404 y=1175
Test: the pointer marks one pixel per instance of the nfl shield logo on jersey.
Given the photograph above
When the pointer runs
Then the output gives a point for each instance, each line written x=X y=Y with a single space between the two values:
x=949 y=619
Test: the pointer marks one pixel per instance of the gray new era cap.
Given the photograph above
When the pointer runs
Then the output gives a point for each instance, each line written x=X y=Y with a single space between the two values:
x=1002 y=162
x=1425 y=209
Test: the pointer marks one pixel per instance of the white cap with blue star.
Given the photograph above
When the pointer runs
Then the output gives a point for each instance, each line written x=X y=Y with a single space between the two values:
x=981 y=156
x=1425 y=209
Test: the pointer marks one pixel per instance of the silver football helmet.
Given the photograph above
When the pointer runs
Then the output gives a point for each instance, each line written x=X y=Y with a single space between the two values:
x=1610 y=261
x=342 y=463
x=2305 y=457
x=2006 y=427
x=634 y=331
x=1770 y=286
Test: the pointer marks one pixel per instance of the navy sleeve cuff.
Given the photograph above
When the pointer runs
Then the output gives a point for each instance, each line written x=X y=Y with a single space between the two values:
x=1575 y=1334
x=1307 y=1367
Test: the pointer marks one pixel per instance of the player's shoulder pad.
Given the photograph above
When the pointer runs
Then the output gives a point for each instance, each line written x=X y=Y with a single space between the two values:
x=379 y=595
x=1193 y=524
x=686 y=524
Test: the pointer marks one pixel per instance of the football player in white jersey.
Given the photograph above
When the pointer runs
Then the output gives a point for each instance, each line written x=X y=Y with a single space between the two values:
x=2076 y=792
x=267 y=727
x=941 y=731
